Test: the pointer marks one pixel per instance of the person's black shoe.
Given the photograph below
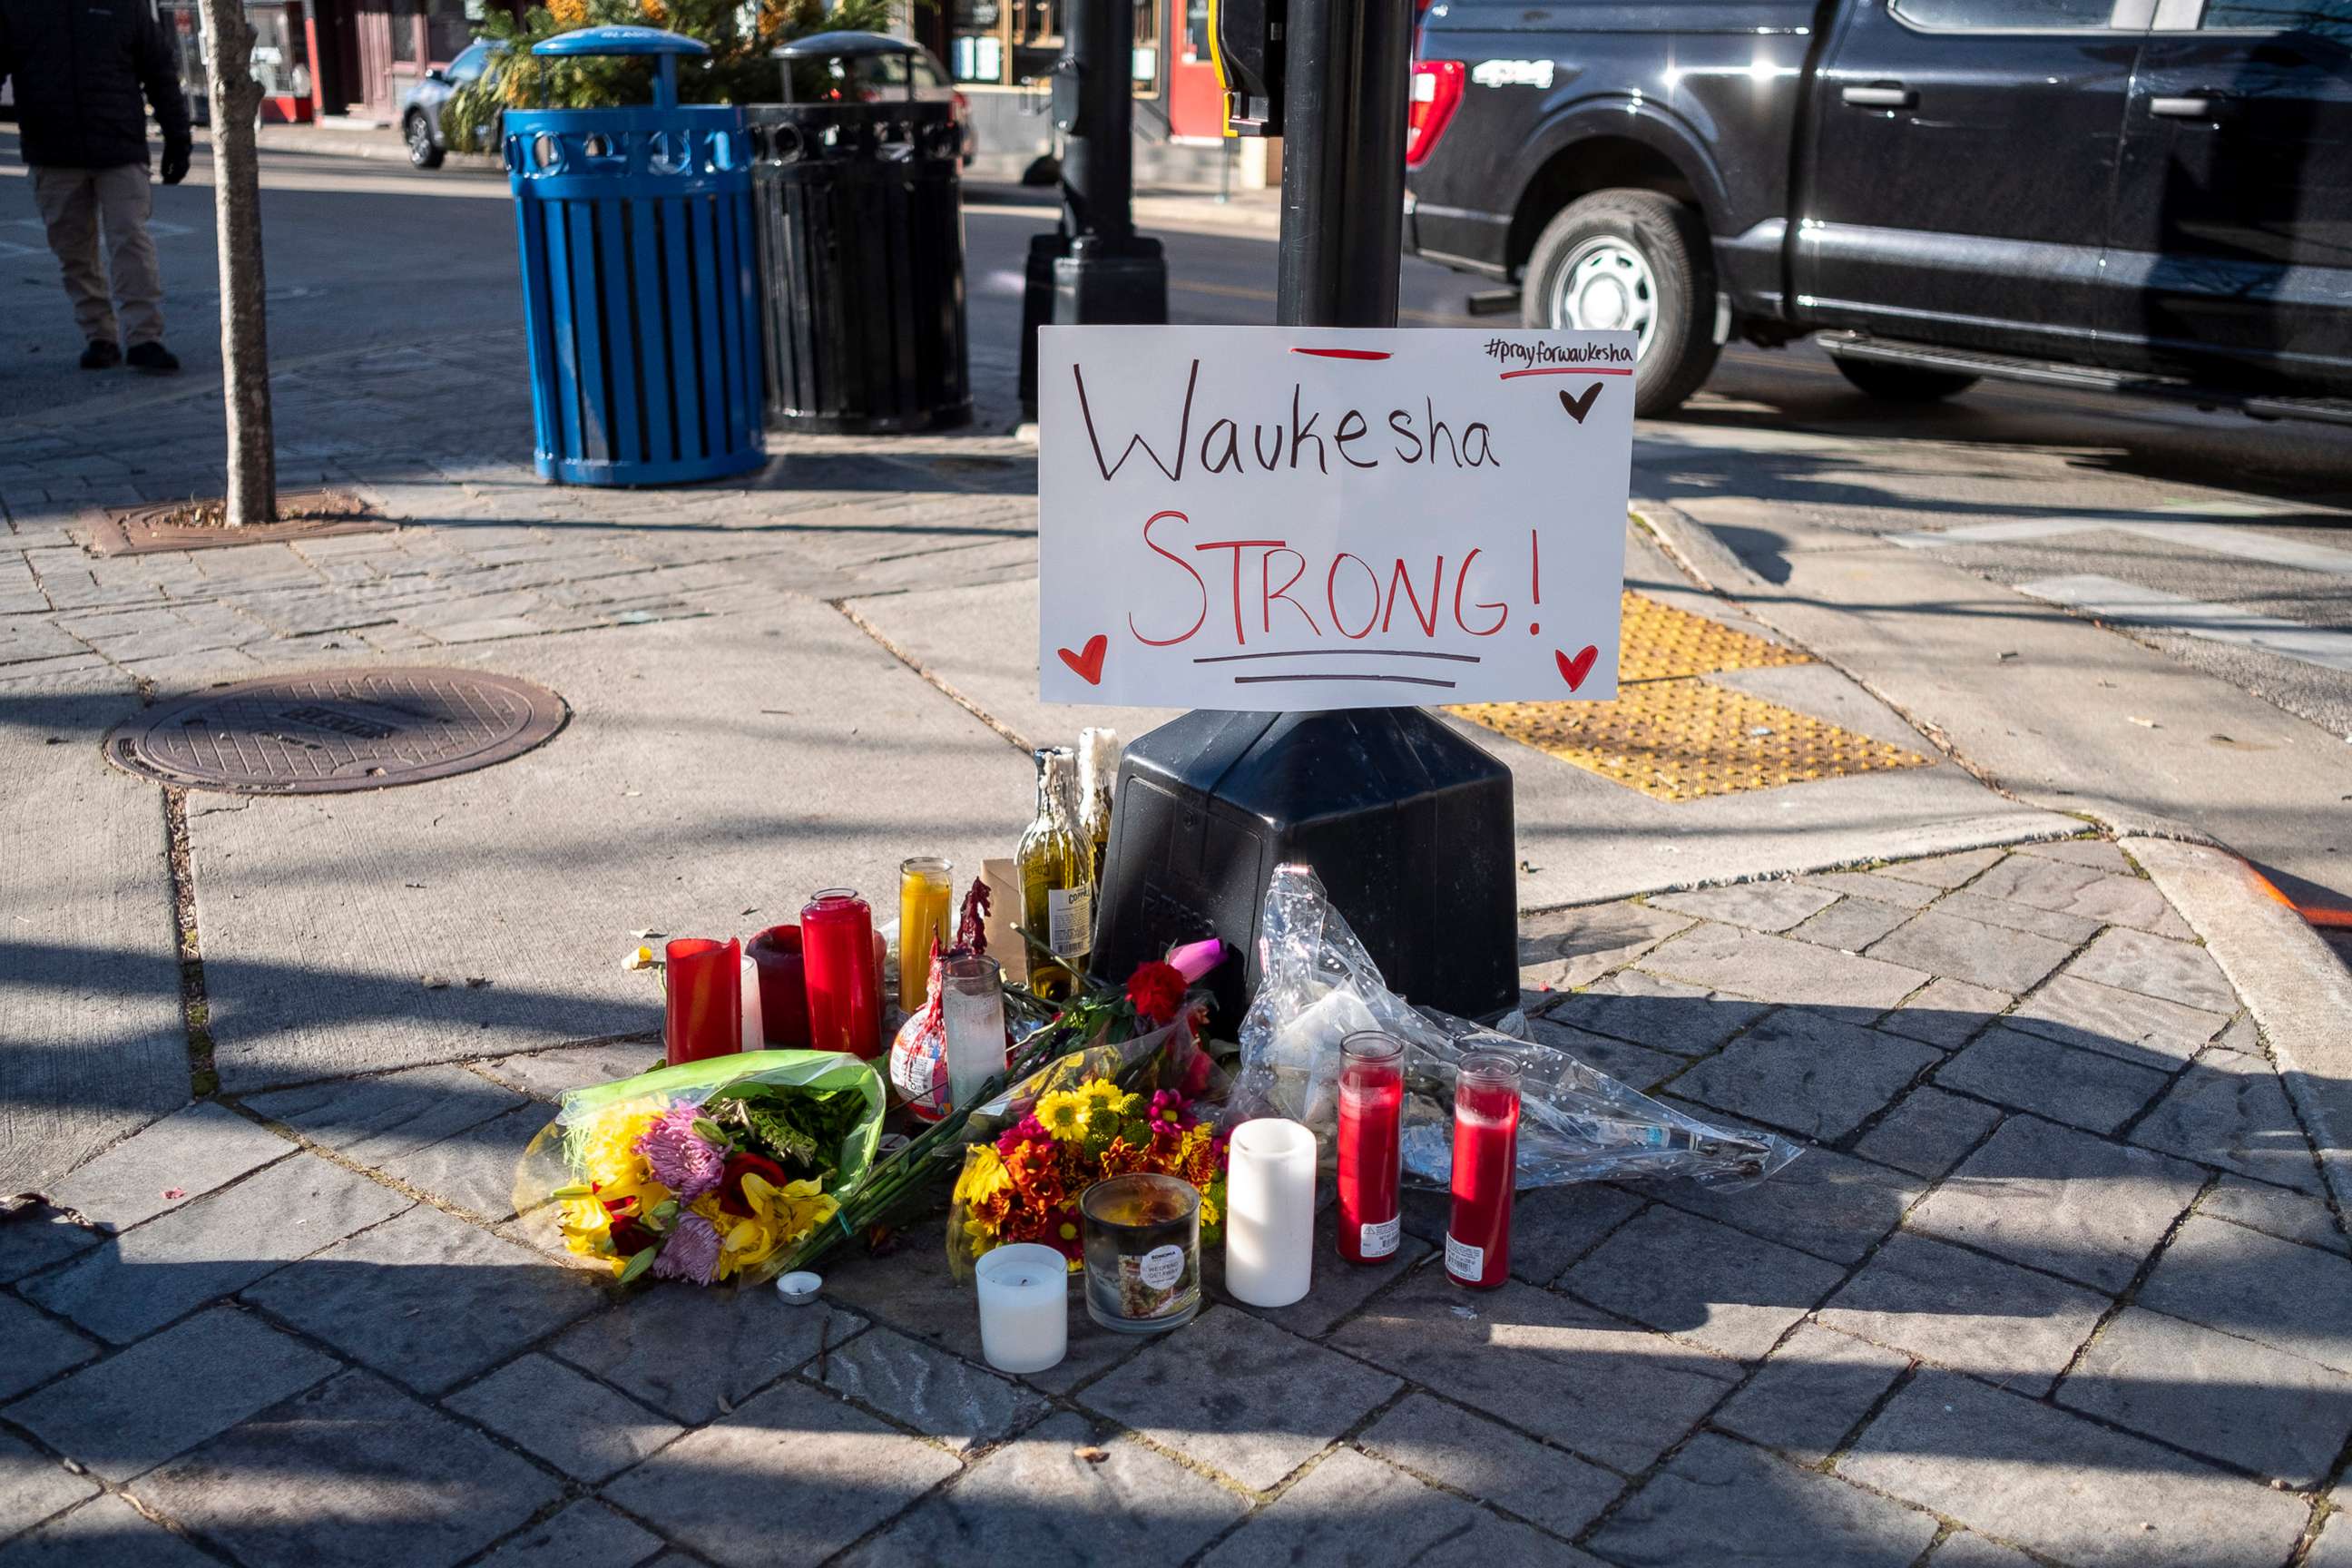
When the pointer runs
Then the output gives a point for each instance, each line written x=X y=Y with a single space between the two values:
x=100 y=355
x=152 y=358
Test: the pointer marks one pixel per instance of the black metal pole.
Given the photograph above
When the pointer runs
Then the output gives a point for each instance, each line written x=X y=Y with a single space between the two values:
x=1343 y=120
x=1094 y=270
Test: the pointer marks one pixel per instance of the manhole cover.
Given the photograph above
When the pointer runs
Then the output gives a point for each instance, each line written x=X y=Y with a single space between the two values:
x=312 y=734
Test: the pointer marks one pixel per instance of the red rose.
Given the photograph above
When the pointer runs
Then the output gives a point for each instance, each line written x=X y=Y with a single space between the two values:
x=1157 y=990
x=731 y=1184
x=630 y=1237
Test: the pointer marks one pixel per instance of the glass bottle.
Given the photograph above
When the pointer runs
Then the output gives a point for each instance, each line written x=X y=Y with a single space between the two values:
x=971 y=1010
x=1099 y=754
x=1057 y=884
x=1371 y=1112
x=1485 y=1163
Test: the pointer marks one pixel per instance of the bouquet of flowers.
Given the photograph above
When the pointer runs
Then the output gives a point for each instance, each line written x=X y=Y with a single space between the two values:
x=710 y=1171
x=1027 y=1185
x=1128 y=1099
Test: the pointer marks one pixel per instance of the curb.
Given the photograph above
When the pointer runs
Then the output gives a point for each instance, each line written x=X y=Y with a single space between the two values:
x=2299 y=995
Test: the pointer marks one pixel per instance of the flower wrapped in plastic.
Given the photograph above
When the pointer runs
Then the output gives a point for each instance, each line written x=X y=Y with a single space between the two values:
x=715 y=1171
x=1103 y=1110
x=1318 y=985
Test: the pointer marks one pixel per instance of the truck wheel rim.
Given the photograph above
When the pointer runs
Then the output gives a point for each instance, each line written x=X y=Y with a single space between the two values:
x=1606 y=285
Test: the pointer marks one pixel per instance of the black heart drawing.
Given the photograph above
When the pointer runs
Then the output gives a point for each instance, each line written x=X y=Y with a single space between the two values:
x=1578 y=408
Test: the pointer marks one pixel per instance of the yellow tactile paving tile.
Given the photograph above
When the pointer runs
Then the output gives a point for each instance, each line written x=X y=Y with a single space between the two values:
x=1658 y=642
x=1687 y=739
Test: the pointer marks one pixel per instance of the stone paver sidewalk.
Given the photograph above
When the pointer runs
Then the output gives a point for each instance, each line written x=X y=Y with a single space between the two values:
x=2058 y=1279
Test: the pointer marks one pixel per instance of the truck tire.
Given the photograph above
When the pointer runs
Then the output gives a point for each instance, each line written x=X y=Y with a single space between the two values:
x=1638 y=259
x=1901 y=382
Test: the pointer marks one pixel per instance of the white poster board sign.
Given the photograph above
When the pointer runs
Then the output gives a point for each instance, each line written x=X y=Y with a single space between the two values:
x=1292 y=517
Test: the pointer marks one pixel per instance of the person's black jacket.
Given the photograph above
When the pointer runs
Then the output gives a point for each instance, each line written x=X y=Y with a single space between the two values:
x=80 y=68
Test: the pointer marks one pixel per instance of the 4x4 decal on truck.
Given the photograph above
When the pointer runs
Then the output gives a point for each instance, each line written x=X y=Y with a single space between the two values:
x=1512 y=73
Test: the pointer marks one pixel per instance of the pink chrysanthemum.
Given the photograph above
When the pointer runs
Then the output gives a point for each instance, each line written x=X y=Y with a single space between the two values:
x=682 y=1160
x=690 y=1253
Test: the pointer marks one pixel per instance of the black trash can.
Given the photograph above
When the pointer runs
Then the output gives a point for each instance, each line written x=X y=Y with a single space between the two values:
x=860 y=224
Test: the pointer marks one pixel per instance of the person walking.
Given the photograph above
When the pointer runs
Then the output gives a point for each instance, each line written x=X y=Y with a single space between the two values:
x=80 y=69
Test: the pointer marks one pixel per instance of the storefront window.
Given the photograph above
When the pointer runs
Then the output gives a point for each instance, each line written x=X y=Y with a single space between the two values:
x=449 y=27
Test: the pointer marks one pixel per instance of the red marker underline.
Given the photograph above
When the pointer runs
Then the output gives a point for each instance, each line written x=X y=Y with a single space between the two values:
x=1564 y=370
x=1343 y=353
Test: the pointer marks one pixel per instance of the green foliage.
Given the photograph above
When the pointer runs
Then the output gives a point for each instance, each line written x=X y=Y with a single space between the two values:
x=737 y=69
x=801 y=1130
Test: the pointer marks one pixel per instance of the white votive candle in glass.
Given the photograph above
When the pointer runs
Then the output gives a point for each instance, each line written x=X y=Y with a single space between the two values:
x=1024 y=1307
x=1270 y=1212
x=971 y=1006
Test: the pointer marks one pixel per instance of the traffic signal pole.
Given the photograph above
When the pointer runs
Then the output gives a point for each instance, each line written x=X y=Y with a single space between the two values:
x=1409 y=824
x=1343 y=121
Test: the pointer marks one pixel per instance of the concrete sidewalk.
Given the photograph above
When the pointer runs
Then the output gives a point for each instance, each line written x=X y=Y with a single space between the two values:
x=2058 y=1275
x=2063 y=1270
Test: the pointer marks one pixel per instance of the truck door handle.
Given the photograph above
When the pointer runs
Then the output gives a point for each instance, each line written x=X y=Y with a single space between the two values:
x=1883 y=95
x=2186 y=106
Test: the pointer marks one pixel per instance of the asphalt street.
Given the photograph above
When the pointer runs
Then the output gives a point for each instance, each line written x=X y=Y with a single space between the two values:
x=2223 y=543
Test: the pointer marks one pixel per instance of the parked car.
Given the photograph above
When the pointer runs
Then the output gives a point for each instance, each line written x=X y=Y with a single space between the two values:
x=420 y=106
x=873 y=77
x=2145 y=194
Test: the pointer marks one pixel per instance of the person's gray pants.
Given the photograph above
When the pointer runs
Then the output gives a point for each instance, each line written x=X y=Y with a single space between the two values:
x=74 y=203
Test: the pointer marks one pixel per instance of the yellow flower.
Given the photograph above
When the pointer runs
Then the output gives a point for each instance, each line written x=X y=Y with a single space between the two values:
x=983 y=1175
x=1065 y=1114
x=781 y=1217
x=1104 y=1099
x=1208 y=1209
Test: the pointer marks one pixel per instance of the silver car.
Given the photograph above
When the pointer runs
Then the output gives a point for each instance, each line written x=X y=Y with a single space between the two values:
x=420 y=106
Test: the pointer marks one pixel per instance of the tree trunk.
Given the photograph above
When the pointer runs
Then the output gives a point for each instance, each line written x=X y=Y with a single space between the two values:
x=237 y=206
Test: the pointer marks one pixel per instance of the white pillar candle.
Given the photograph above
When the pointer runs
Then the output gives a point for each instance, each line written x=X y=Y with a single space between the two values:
x=1270 y=1212
x=1024 y=1307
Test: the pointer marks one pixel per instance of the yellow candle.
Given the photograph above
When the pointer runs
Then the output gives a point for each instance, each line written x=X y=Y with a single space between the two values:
x=926 y=890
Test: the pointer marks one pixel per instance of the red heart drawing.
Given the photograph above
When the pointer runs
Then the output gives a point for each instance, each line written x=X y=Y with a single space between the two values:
x=1088 y=664
x=1572 y=670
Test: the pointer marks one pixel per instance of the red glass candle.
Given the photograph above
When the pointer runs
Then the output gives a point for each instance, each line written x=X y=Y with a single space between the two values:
x=1485 y=1158
x=1372 y=1107
x=702 y=999
x=845 y=985
x=783 y=989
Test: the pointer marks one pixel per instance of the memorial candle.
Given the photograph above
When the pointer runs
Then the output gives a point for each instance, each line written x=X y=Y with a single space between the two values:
x=1270 y=1212
x=1485 y=1161
x=1024 y=1307
x=702 y=999
x=926 y=892
x=971 y=1008
x=1371 y=1110
x=844 y=991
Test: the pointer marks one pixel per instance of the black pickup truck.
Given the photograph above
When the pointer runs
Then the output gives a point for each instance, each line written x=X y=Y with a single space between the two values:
x=2153 y=195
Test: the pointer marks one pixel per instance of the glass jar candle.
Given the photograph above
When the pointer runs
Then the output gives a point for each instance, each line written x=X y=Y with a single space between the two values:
x=1485 y=1160
x=1024 y=1307
x=844 y=998
x=1372 y=1116
x=702 y=999
x=972 y=1007
x=1142 y=1252
x=925 y=889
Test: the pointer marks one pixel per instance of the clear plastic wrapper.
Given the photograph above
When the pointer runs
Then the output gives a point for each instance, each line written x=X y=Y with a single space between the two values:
x=1318 y=985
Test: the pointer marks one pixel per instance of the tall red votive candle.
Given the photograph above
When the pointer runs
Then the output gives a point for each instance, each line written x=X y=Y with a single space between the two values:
x=702 y=1011
x=1371 y=1110
x=783 y=987
x=845 y=984
x=1485 y=1160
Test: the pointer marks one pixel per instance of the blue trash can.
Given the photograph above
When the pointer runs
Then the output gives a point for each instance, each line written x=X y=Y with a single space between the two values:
x=639 y=279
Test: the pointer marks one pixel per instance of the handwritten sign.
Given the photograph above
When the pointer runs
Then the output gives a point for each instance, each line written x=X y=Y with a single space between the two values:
x=1283 y=518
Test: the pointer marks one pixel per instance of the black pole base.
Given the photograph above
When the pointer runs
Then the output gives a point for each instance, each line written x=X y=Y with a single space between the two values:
x=1408 y=823
x=1096 y=285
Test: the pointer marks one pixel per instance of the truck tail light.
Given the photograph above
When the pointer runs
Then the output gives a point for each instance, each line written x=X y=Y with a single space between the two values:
x=1436 y=93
